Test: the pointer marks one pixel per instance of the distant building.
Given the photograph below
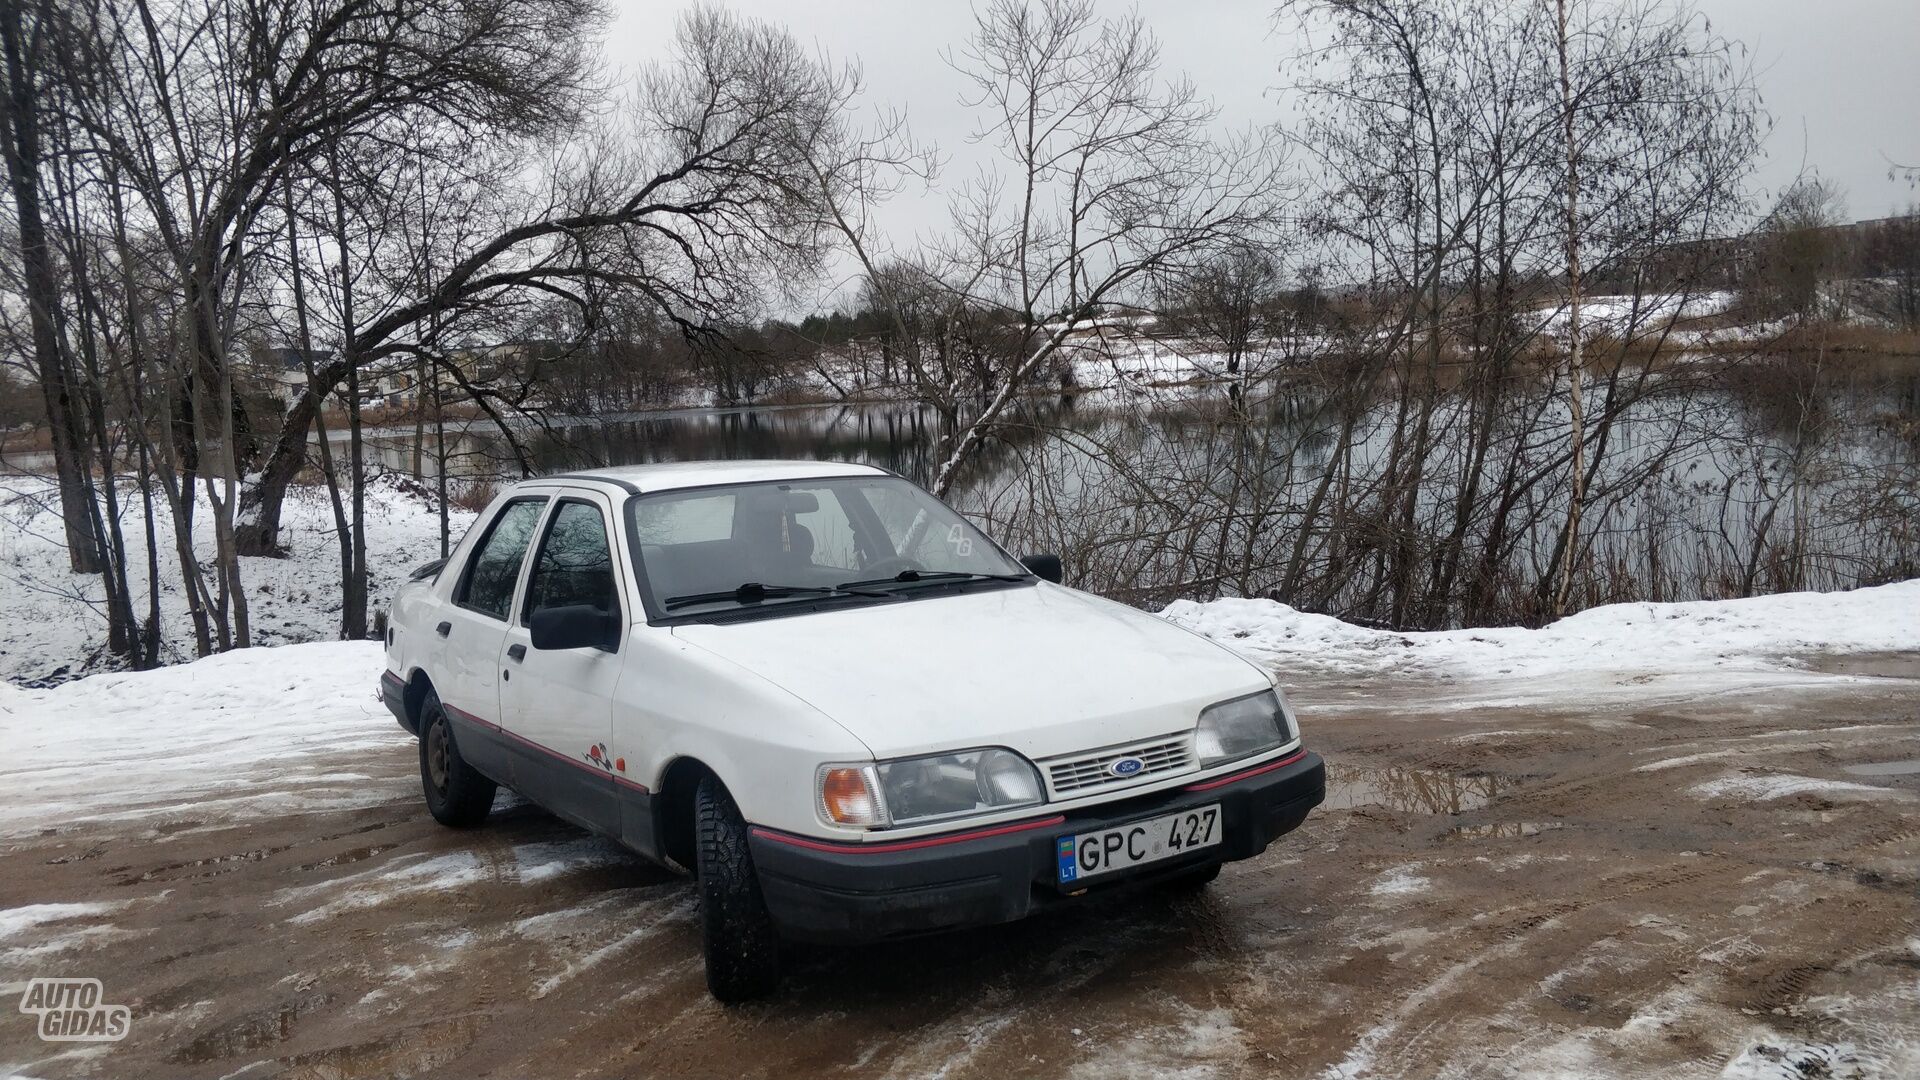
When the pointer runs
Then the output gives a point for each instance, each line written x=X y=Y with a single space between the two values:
x=400 y=384
x=284 y=370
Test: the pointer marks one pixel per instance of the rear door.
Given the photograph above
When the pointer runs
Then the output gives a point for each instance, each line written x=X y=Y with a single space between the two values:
x=557 y=704
x=474 y=626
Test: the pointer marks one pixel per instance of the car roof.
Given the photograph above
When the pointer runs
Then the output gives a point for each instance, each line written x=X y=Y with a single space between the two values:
x=670 y=476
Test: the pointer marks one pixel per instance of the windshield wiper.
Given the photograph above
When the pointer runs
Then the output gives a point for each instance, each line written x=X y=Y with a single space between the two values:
x=755 y=591
x=910 y=576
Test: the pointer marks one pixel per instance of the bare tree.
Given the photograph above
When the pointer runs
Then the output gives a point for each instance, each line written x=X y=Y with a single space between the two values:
x=1226 y=300
x=1112 y=176
x=1800 y=252
x=700 y=208
x=1576 y=370
x=28 y=48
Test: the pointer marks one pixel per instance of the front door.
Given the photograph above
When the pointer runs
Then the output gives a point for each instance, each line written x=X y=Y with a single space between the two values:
x=557 y=704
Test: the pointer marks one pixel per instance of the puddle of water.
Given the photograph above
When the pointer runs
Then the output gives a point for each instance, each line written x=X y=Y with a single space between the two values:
x=220 y=863
x=1504 y=829
x=1910 y=767
x=1416 y=791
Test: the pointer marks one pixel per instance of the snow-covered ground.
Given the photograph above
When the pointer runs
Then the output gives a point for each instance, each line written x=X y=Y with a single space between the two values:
x=184 y=738
x=1618 y=315
x=56 y=620
x=1616 y=650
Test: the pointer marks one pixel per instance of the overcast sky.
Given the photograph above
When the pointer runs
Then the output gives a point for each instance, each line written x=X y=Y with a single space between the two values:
x=1841 y=77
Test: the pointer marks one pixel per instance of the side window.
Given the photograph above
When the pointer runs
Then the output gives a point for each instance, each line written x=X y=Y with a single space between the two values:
x=487 y=586
x=575 y=564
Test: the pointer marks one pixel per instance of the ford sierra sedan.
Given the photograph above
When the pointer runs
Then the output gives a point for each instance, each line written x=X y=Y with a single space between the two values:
x=839 y=705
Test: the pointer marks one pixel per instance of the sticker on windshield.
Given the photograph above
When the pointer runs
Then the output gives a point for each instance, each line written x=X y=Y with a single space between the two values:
x=961 y=543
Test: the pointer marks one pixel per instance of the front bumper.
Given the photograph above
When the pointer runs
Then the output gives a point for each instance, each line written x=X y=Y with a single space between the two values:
x=844 y=893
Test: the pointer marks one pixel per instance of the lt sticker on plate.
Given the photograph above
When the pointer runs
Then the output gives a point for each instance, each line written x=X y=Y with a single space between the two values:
x=1068 y=869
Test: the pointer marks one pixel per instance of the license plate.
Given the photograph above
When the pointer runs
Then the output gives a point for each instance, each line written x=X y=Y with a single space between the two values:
x=1102 y=851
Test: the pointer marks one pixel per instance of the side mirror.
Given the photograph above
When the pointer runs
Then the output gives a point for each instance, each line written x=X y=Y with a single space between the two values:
x=576 y=626
x=426 y=571
x=1046 y=566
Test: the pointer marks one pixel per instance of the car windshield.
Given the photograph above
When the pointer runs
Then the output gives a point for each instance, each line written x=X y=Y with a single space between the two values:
x=850 y=538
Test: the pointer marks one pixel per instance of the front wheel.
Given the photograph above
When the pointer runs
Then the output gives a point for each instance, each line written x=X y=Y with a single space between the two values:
x=742 y=951
x=458 y=795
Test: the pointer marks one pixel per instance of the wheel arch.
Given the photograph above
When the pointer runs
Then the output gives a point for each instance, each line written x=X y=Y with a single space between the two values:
x=673 y=808
x=414 y=698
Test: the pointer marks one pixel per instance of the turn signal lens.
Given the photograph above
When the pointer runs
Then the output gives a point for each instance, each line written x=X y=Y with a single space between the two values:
x=847 y=796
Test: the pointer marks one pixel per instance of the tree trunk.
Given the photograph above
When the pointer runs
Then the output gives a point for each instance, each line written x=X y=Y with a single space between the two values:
x=327 y=470
x=20 y=119
x=1575 y=402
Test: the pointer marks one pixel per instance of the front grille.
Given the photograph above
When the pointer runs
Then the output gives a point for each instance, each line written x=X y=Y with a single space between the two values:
x=1090 y=771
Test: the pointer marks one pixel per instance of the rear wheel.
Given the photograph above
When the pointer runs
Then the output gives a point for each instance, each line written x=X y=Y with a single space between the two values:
x=742 y=950
x=458 y=796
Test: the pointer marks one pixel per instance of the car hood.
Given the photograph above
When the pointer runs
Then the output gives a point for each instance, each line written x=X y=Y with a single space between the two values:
x=1041 y=669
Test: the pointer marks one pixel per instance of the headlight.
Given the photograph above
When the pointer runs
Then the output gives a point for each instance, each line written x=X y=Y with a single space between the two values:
x=913 y=791
x=1242 y=727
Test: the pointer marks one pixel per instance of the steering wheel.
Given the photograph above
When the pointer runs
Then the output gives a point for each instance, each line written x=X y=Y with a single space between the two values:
x=892 y=567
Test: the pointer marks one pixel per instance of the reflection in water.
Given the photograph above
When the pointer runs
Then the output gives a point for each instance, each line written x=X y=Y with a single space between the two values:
x=1416 y=791
x=895 y=437
x=1503 y=829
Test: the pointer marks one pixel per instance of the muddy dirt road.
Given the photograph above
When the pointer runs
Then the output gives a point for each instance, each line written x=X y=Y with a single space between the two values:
x=1668 y=883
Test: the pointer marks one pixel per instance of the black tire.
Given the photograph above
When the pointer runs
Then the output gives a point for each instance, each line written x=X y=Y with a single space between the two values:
x=742 y=950
x=458 y=796
x=1193 y=881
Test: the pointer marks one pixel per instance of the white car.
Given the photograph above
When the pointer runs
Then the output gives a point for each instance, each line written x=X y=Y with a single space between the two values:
x=840 y=705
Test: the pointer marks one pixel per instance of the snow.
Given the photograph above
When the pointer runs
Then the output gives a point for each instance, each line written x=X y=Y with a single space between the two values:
x=185 y=739
x=1765 y=633
x=1790 y=1059
x=1615 y=315
x=56 y=625
x=1400 y=882
x=16 y=921
x=1764 y=786
x=1191 y=1047
x=415 y=875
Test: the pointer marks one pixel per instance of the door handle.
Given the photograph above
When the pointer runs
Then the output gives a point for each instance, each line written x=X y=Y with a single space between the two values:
x=443 y=628
x=516 y=652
